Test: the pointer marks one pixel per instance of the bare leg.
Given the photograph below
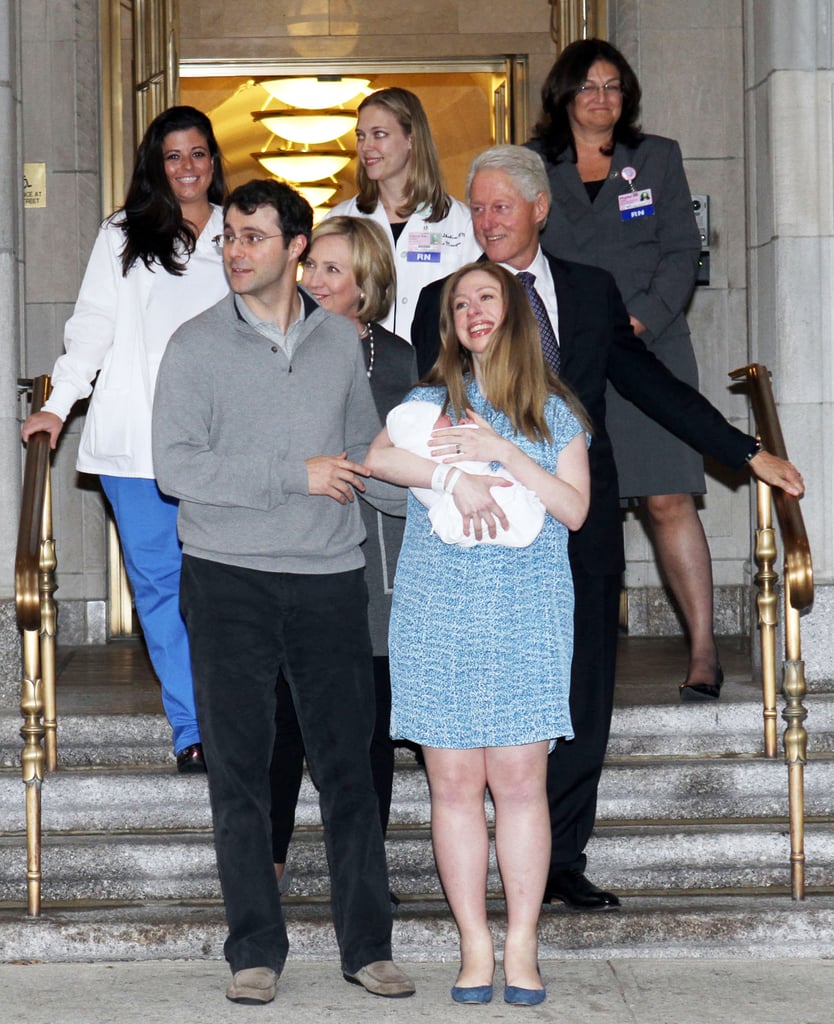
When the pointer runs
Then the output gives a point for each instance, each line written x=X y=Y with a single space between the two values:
x=517 y=780
x=683 y=553
x=457 y=779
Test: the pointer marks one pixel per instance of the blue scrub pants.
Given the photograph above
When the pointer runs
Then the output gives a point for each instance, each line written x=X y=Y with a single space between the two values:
x=147 y=523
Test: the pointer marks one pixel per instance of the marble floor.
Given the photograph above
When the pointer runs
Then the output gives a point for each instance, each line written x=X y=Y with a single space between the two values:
x=118 y=679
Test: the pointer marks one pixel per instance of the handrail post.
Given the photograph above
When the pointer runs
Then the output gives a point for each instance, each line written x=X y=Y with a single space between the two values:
x=32 y=762
x=796 y=742
x=798 y=578
x=35 y=563
x=767 y=605
x=48 y=586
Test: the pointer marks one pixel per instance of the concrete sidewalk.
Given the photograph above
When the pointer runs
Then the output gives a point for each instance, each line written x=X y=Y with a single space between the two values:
x=579 y=992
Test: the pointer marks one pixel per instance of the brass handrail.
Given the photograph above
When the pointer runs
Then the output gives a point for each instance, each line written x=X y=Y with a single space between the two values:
x=798 y=595
x=34 y=585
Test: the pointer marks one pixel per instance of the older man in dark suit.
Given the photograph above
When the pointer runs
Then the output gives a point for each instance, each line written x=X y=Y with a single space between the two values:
x=509 y=198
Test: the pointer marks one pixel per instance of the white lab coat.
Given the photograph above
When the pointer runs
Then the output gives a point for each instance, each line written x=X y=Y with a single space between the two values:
x=107 y=335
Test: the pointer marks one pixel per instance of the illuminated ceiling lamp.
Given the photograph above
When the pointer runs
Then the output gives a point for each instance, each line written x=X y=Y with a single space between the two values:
x=290 y=165
x=308 y=127
x=316 y=195
x=315 y=93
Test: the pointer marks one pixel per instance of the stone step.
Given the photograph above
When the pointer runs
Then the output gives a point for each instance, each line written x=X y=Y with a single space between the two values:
x=103 y=741
x=631 y=789
x=626 y=858
x=640 y=789
x=763 y=926
x=723 y=728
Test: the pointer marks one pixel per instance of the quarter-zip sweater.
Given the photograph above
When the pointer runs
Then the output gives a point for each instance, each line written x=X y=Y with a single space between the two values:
x=234 y=422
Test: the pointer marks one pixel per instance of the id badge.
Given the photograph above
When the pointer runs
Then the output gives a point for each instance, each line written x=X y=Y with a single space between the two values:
x=636 y=204
x=424 y=246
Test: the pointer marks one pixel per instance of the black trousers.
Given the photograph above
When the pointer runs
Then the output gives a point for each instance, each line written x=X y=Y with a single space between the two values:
x=287 y=767
x=246 y=627
x=575 y=766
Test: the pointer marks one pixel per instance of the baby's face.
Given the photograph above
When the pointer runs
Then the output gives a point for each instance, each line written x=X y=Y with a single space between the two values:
x=446 y=421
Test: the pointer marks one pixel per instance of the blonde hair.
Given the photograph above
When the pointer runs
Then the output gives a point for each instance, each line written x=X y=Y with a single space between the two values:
x=517 y=380
x=371 y=261
x=424 y=184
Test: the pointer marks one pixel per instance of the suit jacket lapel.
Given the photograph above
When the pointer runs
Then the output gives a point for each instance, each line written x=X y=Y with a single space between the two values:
x=567 y=308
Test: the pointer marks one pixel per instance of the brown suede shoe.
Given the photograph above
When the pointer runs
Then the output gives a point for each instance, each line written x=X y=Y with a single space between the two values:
x=383 y=978
x=253 y=985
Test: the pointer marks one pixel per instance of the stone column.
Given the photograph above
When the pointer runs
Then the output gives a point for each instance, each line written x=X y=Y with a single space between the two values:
x=10 y=340
x=789 y=93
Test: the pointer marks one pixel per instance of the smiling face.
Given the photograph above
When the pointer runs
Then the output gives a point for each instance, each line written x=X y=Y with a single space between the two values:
x=598 y=109
x=328 y=276
x=477 y=310
x=188 y=167
x=382 y=144
x=506 y=224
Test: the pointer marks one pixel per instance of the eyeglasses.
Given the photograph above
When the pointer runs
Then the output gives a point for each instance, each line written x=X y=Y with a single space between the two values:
x=607 y=89
x=248 y=241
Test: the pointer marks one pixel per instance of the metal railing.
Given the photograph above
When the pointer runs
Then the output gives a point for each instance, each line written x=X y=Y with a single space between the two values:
x=34 y=586
x=798 y=593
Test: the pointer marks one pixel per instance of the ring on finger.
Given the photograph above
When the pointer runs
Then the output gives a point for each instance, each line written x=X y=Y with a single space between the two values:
x=457 y=449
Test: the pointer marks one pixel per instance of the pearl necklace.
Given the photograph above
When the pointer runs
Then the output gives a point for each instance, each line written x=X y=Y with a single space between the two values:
x=369 y=334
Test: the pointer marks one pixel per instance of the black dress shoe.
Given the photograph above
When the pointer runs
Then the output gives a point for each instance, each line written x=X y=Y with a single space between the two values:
x=703 y=691
x=577 y=892
x=191 y=759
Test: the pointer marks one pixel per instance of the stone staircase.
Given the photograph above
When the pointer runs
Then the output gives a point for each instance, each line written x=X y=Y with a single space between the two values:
x=692 y=832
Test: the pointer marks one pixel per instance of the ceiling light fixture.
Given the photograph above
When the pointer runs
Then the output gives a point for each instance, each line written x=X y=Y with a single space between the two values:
x=315 y=93
x=291 y=165
x=306 y=126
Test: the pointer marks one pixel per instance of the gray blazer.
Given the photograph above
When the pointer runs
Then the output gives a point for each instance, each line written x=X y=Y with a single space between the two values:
x=653 y=259
x=393 y=376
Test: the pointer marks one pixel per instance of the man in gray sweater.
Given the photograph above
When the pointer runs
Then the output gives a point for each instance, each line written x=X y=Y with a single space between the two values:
x=262 y=417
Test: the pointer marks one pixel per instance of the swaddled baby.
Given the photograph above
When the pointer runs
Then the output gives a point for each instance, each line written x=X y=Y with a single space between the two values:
x=410 y=426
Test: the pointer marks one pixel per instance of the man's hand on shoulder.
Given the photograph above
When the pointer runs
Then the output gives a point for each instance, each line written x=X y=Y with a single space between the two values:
x=778 y=473
x=335 y=476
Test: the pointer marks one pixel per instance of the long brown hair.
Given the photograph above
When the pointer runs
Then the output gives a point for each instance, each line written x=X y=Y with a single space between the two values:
x=156 y=232
x=516 y=378
x=424 y=185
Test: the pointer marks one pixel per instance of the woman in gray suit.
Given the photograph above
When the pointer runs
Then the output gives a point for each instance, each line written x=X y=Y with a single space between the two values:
x=621 y=201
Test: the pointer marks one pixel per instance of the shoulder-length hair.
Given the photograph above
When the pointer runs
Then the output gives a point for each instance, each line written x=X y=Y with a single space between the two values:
x=155 y=230
x=424 y=185
x=516 y=378
x=560 y=90
x=371 y=261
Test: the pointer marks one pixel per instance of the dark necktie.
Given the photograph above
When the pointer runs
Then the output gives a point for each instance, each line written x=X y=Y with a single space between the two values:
x=550 y=346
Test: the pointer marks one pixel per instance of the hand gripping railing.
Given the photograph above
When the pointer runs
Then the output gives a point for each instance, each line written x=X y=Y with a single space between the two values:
x=798 y=595
x=34 y=585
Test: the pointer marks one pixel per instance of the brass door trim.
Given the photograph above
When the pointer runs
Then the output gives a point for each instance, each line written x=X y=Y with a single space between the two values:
x=512 y=127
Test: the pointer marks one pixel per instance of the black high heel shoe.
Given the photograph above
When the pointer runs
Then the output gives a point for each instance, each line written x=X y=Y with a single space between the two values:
x=703 y=691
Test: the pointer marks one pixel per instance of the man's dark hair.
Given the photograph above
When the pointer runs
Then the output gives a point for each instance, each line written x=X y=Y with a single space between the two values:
x=295 y=216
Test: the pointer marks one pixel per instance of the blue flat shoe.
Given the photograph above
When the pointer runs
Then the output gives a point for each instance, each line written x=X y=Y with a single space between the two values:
x=472 y=993
x=524 y=996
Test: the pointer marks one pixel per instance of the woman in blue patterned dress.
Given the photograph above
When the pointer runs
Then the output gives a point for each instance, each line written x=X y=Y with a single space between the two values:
x=481 y=637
